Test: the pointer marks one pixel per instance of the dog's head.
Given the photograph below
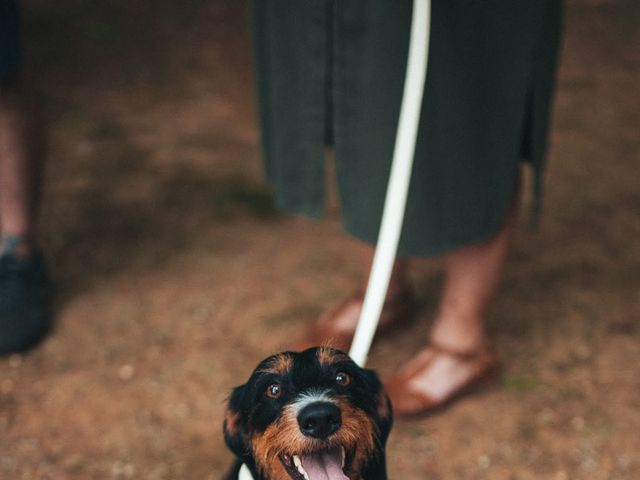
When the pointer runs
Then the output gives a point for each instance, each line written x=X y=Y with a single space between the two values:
x=310 y=415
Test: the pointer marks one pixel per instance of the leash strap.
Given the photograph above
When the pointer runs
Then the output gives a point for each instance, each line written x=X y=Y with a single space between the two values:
x=396 y=198
x=245 y=473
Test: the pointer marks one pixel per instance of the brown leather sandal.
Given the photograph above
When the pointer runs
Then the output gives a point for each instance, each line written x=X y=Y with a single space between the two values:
x=337 y=327
x=407 y=398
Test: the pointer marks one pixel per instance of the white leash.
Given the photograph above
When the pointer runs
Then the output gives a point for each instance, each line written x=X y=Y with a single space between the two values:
x=395 y=201
x=245 y=473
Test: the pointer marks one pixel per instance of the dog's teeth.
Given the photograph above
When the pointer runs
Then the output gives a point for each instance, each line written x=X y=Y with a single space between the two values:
x=298 y=463
x=342 y=456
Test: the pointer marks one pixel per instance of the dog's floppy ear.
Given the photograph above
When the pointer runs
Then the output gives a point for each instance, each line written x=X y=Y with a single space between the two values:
x=235 y=435
x=384 y=414
x=383 y=411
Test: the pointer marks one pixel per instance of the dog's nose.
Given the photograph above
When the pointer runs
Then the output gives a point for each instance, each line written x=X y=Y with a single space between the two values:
x=319 y=419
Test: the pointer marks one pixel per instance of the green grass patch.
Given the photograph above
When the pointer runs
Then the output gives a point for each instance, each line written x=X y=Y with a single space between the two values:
x=521 y=383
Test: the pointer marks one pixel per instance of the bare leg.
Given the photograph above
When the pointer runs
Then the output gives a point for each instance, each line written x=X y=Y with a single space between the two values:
x=20 y=164
x=472 y=276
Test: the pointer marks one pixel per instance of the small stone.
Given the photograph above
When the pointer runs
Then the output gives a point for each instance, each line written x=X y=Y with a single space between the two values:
x=577 y=423
x=126 y=372
x=182 y=410
x=484 y=462
x=582 y=351
x=116 y=469
x=201 y=313
x=546 y=416
x=73 y=462
x=505 y=451
x=121 y=469
x=129 y=470
x=589 y=464
x=7 y=463
x=623 y=462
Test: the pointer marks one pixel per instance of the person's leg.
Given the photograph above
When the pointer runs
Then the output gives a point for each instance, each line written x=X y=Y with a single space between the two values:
x=458 y=350
x=472 y=277
x=25 y=309
x=20 y=165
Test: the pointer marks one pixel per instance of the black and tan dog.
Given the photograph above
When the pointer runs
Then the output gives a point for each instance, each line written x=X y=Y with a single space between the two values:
x=311 y=415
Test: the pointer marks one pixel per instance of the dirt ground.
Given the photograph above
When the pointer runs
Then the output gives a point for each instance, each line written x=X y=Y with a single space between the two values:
x=175 y=274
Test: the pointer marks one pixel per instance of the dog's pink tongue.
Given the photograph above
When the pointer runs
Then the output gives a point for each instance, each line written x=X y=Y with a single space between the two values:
x=324 y=466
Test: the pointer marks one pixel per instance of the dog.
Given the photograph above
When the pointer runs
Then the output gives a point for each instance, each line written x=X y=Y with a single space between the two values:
x=311 y=415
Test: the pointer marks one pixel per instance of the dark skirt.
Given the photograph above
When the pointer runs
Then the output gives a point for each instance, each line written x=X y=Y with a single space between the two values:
x=331 y=72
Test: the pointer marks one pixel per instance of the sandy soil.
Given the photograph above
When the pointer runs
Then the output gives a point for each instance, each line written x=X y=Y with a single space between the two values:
x=175 y=274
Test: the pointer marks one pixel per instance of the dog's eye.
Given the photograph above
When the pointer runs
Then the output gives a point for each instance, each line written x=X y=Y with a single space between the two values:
x=343 y=379
x=274 y=390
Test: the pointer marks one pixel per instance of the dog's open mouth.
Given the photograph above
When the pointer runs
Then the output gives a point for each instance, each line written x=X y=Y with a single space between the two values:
x=321 y=465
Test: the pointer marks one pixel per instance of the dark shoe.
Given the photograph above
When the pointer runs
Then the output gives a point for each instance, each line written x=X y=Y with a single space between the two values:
x=25 y=302
x=408 y=399
x=337 y=327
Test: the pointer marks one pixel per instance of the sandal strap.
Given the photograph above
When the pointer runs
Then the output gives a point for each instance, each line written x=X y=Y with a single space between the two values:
x=407 y=400
x=478 y=356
